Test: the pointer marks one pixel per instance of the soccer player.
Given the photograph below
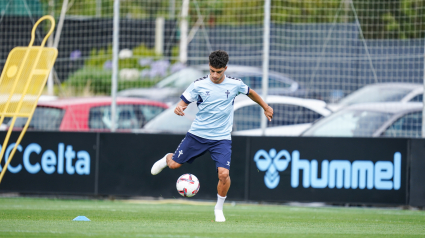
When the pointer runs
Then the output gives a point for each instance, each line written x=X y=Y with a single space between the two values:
x=210 y=131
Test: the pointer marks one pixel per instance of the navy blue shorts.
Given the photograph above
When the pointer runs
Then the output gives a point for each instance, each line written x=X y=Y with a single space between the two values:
x=193 y=146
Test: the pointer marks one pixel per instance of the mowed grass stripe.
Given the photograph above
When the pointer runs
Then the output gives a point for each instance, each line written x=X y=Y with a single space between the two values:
x=29 y=217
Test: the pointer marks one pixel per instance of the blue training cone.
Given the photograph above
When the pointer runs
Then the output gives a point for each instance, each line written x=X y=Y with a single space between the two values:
x=81 y=218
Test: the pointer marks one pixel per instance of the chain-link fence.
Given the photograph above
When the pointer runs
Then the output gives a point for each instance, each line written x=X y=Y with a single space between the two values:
x=324 y=57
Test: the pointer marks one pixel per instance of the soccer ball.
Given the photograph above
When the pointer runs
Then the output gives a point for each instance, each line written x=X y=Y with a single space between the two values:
x=188 y=185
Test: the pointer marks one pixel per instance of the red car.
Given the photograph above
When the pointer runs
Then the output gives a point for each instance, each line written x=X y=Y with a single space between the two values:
x=88 y=114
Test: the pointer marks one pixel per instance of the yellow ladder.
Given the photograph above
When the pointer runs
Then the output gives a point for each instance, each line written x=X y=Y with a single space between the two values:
x=22 y=82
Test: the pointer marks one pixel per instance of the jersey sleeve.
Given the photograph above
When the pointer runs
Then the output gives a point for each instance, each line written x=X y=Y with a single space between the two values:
x=190 y=94
x=243 y=88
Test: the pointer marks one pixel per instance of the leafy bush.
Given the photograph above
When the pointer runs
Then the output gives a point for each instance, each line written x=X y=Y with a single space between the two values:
x=98 y=57
x=95 y=79
x=98 y=81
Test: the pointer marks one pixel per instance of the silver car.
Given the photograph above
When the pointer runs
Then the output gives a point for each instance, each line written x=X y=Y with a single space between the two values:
x=371 y=120
x=291 y=117
x=382 y=92
x=169 y=89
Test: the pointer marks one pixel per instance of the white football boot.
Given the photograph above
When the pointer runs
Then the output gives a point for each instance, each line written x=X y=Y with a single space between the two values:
x=219 y=216
x=159 y=165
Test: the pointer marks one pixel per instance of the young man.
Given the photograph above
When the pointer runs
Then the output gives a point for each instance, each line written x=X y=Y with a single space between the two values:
x=210 y=131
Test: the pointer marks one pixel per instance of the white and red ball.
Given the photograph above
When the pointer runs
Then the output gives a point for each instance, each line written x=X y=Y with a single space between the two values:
x=188 y=185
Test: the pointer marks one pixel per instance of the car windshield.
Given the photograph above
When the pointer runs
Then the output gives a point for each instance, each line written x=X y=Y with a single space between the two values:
x=409 y=125
x=181 y=79
x=128 y=116
x=375 y=94
x=170 y=122
x=254 y=81
x=44 y=118
x=349 y=123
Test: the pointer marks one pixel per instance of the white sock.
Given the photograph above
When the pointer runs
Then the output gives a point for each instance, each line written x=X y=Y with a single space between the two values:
x=220 y=202
x=163 y=161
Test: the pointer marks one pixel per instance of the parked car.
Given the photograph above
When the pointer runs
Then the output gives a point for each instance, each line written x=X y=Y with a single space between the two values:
x=85 y=114
x=291 y=117
x=42 y=98
x=394 y=119
x=169 y=89
x=382 y=92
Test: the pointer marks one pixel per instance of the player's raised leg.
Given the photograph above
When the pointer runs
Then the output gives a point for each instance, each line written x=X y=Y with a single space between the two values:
x=171 y=163
x=222 y=188
x=164 y=162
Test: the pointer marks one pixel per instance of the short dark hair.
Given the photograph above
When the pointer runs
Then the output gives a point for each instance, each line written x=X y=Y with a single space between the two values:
x=219 y=59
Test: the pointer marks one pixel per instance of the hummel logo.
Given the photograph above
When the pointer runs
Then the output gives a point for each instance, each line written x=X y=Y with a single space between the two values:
x=227 y=93
x=180 y=153
x=228 y=163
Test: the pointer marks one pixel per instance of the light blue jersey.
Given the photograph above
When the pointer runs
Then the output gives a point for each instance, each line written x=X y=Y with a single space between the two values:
x=214 y=120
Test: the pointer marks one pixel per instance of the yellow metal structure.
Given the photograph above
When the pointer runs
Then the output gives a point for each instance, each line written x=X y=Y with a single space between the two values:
x=22 y=82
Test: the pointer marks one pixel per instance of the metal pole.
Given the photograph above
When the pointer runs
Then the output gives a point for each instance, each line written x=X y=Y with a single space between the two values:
x=159 y=36
x=98 y=8
x=50 y=44
x=56 y=41
x=60 y=24
x=423 y=100
x=115 y=51
x=172 y=9
x=184 y=26
x=266 y=56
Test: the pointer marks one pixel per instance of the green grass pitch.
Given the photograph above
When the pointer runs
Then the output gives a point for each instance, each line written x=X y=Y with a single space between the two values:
x=41 y=217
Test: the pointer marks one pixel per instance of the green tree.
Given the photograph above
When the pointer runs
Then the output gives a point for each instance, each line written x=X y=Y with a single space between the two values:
x=389 y=19
x=392 y=19
x=413 y=20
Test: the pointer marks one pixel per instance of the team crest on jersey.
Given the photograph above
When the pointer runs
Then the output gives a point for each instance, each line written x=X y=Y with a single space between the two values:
x=227 y=93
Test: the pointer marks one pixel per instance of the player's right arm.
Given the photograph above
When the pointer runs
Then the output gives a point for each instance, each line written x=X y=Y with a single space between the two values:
x=181 y=106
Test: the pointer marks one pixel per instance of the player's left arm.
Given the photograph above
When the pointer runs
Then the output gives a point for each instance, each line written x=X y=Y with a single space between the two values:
x=268 y=111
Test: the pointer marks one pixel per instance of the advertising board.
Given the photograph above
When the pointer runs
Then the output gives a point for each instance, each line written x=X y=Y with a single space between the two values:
x=51 y=162
x=340 y=170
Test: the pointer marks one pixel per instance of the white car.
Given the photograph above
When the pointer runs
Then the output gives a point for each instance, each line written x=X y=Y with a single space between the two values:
x=395 y=119
x=382 y=92
x=291 y=117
